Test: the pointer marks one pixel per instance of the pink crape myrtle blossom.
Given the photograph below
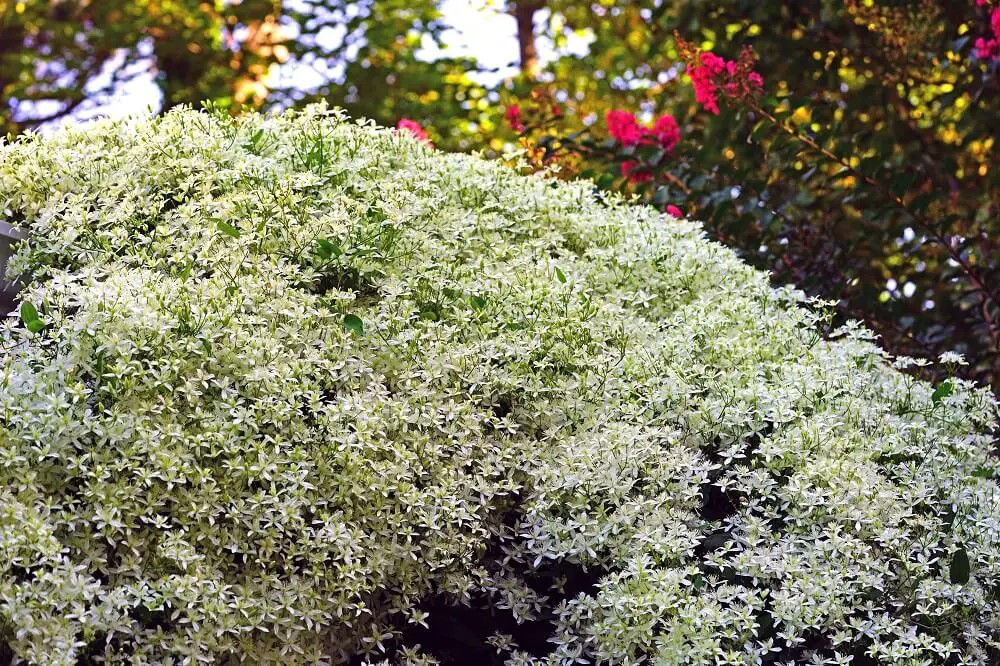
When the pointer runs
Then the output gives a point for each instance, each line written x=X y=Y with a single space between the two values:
x=623 y=127
x=626 y=130
x=414 y=128
x=513 y=117
x=988 y=48
x=635 y=174
x=735 y=79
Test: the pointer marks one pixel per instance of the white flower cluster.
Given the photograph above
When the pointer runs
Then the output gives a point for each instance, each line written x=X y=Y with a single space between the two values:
x=293 y=379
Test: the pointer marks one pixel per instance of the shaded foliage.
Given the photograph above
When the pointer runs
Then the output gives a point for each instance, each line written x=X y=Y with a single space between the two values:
x=863 y=174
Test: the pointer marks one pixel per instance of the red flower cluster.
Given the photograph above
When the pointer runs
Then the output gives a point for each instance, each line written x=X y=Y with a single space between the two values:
x=666 y=131
x=675 y=211
x=634 y=173
x=513 y=117
x=540 y=109
x=623 y=127
x=626 y=130
x=735 y=78
x=414 y=128
x=989 y=48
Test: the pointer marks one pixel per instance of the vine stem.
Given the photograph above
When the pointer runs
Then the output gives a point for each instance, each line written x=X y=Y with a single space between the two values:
x=986 y=295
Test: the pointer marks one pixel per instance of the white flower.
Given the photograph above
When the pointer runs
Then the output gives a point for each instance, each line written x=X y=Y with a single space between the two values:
x=203 y=455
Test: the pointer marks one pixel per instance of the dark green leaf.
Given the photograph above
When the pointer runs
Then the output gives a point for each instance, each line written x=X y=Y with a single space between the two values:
x=942 y=391
x=661 y=196
x=960 y=567
x=227 y=229
x=901 y=183
x=921 y=202
x=29 y=315
x=327 y=249
x=353 y=324
x=478 y=302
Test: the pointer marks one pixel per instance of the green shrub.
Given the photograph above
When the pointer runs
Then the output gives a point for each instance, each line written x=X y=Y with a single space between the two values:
x=295 y=381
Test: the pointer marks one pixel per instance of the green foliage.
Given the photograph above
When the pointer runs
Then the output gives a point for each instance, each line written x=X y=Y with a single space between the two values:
x=866 y=175
x=30 y=318
x=65 y=56
x=572 y=414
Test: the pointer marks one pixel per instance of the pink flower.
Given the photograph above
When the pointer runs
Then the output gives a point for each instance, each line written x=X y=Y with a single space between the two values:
x=635 y=175
x=623 y=127
x=513 y=117
x=735 y=78
x=989 y=48
x=666 y=131
x=674 y=211
x=713 y=63
x=705 y=92
x=414 y=128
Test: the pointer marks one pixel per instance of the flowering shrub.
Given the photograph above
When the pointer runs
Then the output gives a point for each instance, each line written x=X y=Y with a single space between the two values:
x=285 y=389
x=845 y=146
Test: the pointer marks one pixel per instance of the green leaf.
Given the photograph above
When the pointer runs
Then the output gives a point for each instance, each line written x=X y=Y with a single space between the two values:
x=655 y=156
x=353 y=324
x=661 y=196
x=960 y=567
x=922 y=202
x=228 y=229
x=327 y=249
x=478 y=302
x=560 y=275
x=901 y=183
x=943 y=390
x=984 y=473
x=29 y=315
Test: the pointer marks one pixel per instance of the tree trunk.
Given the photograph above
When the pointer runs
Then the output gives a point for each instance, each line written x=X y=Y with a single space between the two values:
x=524 y=13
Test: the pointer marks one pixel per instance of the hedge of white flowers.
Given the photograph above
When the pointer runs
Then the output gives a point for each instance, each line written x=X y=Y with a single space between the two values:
x=277 y=384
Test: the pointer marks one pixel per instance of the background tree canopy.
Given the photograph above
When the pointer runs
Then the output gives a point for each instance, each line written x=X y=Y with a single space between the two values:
x=862 y=170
